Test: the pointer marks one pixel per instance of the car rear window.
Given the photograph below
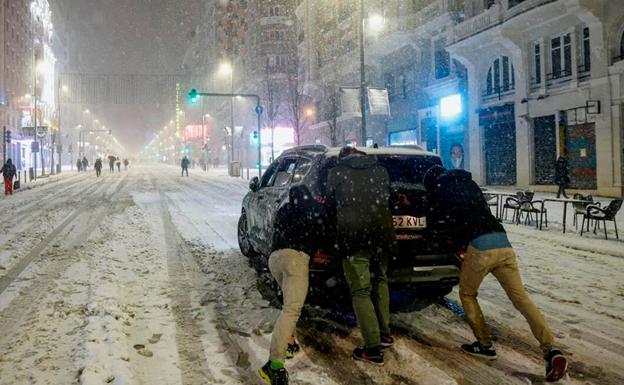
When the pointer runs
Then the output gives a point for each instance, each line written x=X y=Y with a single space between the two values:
x=408 y=168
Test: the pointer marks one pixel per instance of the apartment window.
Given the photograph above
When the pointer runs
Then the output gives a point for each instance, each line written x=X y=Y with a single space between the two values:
x=389 y=83
x=500 y=77
x=621 y=47
x=561 y=56
x=586 y=51
x=403 y=83
x=537 y=63
x=274 y=11
x=442 y=60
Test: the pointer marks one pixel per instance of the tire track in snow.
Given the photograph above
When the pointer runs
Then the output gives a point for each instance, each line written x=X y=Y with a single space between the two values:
x=193 y=364
x=17 y=269
x=12 y=315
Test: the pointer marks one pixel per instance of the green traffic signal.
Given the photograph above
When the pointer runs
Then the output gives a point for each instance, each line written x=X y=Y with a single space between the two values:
x=193 y=96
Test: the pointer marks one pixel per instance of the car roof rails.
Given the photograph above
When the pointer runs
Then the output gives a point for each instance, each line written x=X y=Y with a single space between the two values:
x=308 y=148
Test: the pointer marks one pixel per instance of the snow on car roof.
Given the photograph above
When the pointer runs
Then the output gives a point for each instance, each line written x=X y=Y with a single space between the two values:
x=388 y=150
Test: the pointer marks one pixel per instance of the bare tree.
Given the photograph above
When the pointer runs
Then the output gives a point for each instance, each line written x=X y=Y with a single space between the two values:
x=295 y=105
x=332 y=113
x=272 y=100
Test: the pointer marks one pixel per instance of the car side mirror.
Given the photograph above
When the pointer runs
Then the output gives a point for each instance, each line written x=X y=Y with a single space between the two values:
x=254 y=184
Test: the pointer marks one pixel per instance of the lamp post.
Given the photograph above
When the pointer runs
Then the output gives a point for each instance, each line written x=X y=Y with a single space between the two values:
x=204 y=142
x=226 y=69
x=64 y=90
x=376 y=23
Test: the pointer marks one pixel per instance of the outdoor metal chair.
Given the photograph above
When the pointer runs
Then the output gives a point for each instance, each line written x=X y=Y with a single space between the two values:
x=581 y=208
x=530 y=208
x=597 y=213
x=492 y=201
x=513 y=204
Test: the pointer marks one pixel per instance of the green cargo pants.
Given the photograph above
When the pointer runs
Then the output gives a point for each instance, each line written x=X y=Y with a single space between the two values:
x=365 y=272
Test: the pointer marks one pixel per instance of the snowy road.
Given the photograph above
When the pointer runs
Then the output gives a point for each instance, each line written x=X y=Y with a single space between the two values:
x=136 y=278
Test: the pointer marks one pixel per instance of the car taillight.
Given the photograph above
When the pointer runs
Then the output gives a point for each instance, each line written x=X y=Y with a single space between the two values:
x=322 y=259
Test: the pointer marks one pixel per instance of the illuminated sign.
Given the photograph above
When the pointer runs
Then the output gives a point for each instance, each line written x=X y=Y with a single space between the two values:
x=451 y=106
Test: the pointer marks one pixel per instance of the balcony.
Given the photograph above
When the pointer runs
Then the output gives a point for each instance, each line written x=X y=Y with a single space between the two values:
x=517 y=7
x=417 y=18
x=495 y=15
x=498 y=93
x=271 y=20
x=559 y=78
x=479 y=23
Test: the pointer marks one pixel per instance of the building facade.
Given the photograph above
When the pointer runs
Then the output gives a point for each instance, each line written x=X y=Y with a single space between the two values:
x=257 y=40
x=499 y=87
x=29 y=68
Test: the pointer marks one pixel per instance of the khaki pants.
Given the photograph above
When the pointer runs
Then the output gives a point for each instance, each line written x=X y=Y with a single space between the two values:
x=290 y=268
x=366 y=275
x=503 y=265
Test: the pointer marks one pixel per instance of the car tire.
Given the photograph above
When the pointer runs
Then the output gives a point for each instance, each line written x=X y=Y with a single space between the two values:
x=243 y=238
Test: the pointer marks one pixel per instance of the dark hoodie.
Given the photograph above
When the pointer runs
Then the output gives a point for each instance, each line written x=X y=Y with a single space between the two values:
x=8 y=170
x=360 y=188
x=458 y=206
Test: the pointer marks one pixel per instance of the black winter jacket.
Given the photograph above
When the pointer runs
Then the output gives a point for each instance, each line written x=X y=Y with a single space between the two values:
x=301 y=224
x=8 y=171
x=458 y=206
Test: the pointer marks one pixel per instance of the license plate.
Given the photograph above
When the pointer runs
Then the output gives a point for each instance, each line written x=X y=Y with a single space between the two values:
x=409 y=222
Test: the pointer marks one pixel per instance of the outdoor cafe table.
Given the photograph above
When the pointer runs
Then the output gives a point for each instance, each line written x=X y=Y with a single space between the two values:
x=565 y=202
x=499 y=201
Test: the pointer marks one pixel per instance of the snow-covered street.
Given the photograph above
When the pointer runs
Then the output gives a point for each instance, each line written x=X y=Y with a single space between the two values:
x=136 y=278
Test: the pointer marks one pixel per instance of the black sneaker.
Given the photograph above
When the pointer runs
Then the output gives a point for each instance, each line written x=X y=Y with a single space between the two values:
x=273 y=376
x=371 y=355
x=292 y=350
x=486 y=352
x=556 y=365
x=386 y=341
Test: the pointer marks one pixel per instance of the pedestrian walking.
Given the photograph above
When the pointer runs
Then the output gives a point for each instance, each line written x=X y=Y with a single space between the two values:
x=459 y=204
x=359 y=189
x=126 y=163
x=294 y=240
x=118 y=165
x=98 y=167
x=85 y=163
x=111 y=163
x=8 y=172
x=562 y=176
x=79 y=165
x=185 y=165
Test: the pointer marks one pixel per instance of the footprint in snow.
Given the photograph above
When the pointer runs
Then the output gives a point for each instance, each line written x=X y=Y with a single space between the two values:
x=155 y=338
x=142 y=350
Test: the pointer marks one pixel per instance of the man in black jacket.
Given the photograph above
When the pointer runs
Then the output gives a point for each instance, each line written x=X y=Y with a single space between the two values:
x=458 y=204
x=296 y=229
x=8 y=173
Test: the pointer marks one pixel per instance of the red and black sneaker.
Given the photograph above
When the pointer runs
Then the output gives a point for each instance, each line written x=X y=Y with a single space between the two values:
x=556 y=365
x=386 y=341
x=371 y=355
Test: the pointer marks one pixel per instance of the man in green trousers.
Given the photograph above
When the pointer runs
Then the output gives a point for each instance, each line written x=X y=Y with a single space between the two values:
x=360 y=189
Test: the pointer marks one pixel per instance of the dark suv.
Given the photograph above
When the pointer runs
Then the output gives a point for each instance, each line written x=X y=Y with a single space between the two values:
x=424 y=266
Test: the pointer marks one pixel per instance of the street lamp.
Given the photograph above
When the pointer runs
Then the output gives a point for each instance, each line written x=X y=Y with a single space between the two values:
x=375 y=23
x=227 y=69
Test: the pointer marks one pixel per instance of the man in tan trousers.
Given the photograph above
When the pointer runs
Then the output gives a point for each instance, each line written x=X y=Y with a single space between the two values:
x=459 y=205
x=295 y=234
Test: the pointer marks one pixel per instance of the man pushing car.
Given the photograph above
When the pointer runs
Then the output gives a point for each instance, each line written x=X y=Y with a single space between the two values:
x=459 y=203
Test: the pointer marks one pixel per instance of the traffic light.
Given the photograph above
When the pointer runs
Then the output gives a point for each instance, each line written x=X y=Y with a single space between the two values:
x=255 y=134
x=193 y=96
x=8 y=136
